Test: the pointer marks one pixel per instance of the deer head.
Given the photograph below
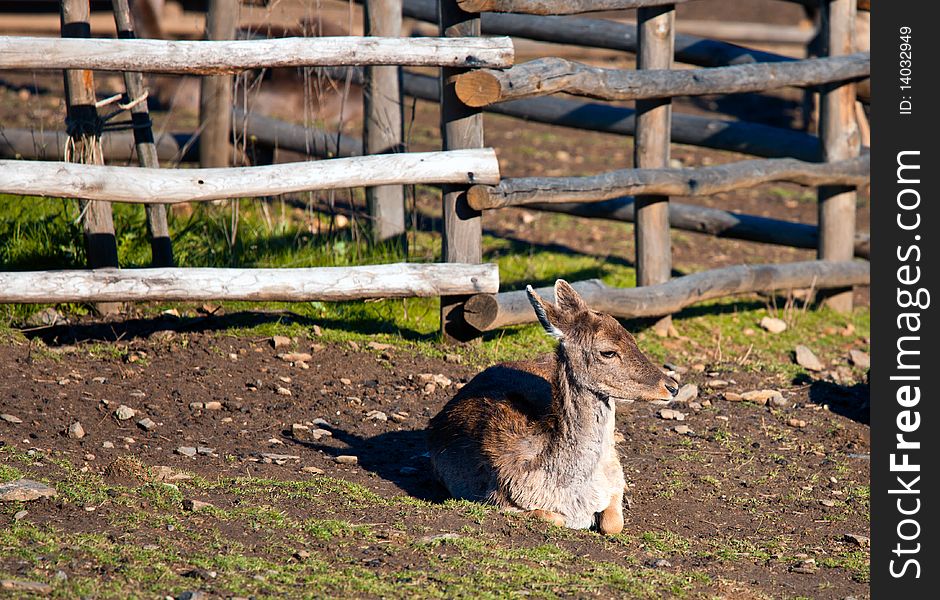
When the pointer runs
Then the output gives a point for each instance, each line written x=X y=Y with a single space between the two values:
x=598 y=353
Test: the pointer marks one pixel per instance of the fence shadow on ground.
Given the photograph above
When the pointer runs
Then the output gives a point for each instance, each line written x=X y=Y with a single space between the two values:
x=850 y=401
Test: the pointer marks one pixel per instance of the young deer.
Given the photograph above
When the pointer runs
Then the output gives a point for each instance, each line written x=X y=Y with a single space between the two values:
x=538 y=436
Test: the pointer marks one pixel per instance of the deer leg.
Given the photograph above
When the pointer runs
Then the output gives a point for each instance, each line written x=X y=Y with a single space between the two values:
x=611 y=518
x=547 y=515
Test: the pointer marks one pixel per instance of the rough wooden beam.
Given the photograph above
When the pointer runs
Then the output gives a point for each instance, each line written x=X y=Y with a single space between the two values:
x=461 y=127
x=488 y=312
x=545 y=76
x=319 y=284
x=161 y=246
x=557 y=7
x=712 y=221
x=701 y=181
x=383 y=124
x=213 y=57
x=84 y=144
x=217 y=92
x=838 y=130
x=170 y=186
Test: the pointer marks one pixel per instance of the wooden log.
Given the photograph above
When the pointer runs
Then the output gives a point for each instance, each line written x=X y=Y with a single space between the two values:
x=701 y=181
x=558 y=7
x=383 y=124
x=216 y=93
x=601 y=33
x=31 y=144
x=214 y=57
x=84 y=132
x=656 y=27
x=161 y=247
x=712 y=221
x=838 y=130
x=488 y=312
x=545 y=76
x=321 y=284
x=312 y=141
x=171 y=186
x=461 y=127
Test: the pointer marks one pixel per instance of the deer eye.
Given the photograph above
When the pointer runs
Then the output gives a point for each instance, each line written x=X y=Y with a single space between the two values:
x=608 y=354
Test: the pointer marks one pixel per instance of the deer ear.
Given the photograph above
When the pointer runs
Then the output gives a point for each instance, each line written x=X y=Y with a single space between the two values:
x=546 y=313
x=567 y=300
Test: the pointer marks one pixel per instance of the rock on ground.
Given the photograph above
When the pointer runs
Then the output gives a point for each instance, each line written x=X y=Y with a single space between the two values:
x=806 y=359
x=25 y=490
x=773 y=324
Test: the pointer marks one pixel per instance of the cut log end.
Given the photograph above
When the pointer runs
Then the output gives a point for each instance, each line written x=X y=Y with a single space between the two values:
x=477 y=88
x=480 y=311
x=480 y=198
x=476 y=6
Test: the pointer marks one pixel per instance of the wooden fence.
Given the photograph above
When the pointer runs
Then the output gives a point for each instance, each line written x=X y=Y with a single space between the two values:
x=477 y=74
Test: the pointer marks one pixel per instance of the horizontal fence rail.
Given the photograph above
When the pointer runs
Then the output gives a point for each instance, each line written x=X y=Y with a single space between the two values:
x=487 y=312
x=711 y=221
x=546 y=76
x=321 y=284
x=558 y=7
x=213 y=57
x=700 y=181
x=169 y=186
x=601 y=33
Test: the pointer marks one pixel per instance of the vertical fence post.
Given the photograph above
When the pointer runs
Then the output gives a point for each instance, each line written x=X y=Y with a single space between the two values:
x=461 y=127
x=216 y=92
x=384 y=122
x=84 y=145
x=838 y=130
x=656 y=31
x=161 y=247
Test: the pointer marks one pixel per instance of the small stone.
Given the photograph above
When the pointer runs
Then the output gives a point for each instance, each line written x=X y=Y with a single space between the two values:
x=196 y=405
x=376 y=415
x=732 y=396
x=347 y=459
x=298 y=429
x=301 y=555
x=860 y=359
x=658 y=563
x=762 y=397
x=671 y=415
x=295 y=357
x=280 y=341
x=107 y=445
x=345 y=381
x=722 y=418
x=687 y=393
x=320 y=422
x=25 y=490
x=13 y=420
x=123 y=412
x=429 y=388
x=748 y=331
x=698 y=367
x=378 y=346
x=205 y=451
x=858 y=540
x=20 y=515
x=275 y=442
x=798 y=423
x=440 y=537
x=186 y=451
x=283 y=391
x=454 y=359
x=76 y=431
x=278 y=459
x=89 y=456
x=773 y=324
x=806 y=359
x=26 y=587
x=716 y=383
x=313 y=470
x=146 y=424
x=195 y=505
x=682 y=429
x=212 y=405
x=806 y=566
x=399 y=417
x=828 y=503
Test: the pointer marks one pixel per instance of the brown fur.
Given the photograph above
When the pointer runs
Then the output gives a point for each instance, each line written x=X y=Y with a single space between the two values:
x=537 y=436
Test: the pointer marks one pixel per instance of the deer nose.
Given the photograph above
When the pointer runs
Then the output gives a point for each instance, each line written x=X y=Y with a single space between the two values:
x=672 y=385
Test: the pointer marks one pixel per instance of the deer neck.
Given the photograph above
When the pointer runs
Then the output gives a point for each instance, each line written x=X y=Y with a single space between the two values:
x=582 y=421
